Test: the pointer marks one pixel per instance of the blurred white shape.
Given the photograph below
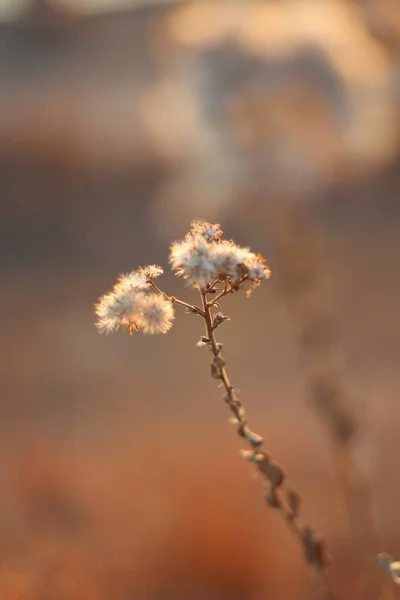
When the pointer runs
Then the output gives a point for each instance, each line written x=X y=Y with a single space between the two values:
x=11 y=9
x=97 y=6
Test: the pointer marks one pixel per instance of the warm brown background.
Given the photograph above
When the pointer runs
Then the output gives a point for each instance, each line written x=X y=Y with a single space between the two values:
x=120 y=477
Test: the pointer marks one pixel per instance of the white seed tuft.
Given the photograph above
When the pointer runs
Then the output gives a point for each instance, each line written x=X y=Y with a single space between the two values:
x=203 y=258
x=156 y=315
x=132 y=305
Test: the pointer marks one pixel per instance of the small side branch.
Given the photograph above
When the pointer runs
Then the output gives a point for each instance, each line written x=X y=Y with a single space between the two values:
x=192 y=307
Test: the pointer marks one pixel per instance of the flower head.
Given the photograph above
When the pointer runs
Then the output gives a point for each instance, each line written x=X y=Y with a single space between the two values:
x=157 y=315
x=211 y=233
x=193 y=259
x=133 y=305
x=132 y=282
x=151 y=271
x=203 y=258
x=230 y=259
x=120 y=307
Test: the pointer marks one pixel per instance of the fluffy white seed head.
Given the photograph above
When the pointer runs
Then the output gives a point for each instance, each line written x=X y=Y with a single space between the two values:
x=132 y=282
x=209 y=232
x=151 y=271
x=193 y=259
x=157 y=315
x=256 y=267
x=230 y=259
x=119 y=308
x=133 y=305
x=203 y=257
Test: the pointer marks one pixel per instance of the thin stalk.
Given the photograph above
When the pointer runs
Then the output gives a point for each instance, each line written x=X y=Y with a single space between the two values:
x=227 y=290
x=175 y=300
x=313 y=551
x=289 y=509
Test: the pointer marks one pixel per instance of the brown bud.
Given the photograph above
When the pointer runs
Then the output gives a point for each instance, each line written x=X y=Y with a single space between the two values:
x=242 y=428
x=253 y=438
x=215 y=372
x=293 y=501
x=249 y=455
x=272 y=498
x=240 y=412
x=314 y=547
x=204 y=341
x=219 y=319
x=273 y=472
x=219 y=361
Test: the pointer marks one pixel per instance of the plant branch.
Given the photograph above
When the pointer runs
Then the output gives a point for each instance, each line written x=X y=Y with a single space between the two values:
x=227 y=290
x=174 y=300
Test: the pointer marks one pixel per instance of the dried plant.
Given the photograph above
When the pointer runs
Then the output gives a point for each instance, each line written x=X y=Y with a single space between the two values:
x=216 y=268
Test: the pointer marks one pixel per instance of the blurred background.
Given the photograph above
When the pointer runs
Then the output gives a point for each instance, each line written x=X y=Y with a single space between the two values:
x=120 y=121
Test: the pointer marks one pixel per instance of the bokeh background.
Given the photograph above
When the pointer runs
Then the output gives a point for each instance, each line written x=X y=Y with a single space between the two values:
x=119 y=122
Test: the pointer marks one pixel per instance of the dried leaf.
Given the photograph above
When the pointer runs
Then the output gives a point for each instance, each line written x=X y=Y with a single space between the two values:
x=293 y=500
x=219 y=362
x=242 y=428
x=314 y=548
x=253 y=438
x=272 y=498
x=215 y=372
x=249 y=455
x=252 y=456
x=204 y=341
x=273 y=472
x=219 y=319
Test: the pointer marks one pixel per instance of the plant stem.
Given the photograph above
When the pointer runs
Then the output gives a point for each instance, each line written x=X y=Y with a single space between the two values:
x=256 y=441
x=312 y=546
x=221 y=294
x=175 y=300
